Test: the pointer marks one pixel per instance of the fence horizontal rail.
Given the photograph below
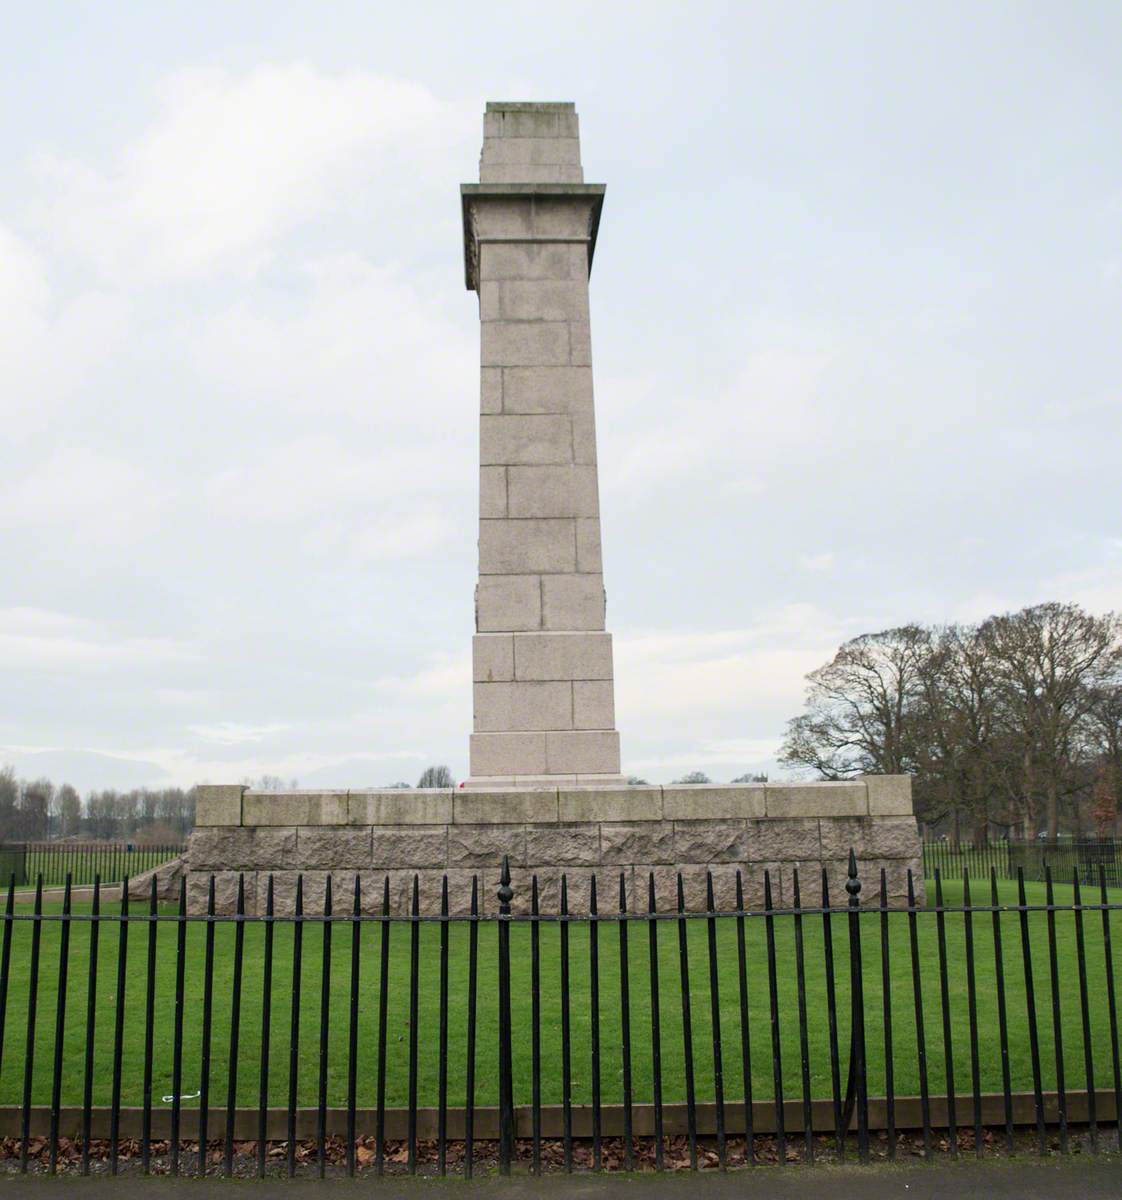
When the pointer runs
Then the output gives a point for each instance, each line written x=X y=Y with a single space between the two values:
x=675 y=1118
x=142 y=1021
x=607 y=918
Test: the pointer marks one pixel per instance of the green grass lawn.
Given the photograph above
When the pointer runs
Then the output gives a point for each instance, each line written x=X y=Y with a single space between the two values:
x=903 y=1023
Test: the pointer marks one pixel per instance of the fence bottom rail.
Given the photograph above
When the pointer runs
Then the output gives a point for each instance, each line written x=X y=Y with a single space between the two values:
x=908 y=1116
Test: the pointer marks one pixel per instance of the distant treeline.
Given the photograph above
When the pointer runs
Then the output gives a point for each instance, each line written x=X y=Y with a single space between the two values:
x=35 y=810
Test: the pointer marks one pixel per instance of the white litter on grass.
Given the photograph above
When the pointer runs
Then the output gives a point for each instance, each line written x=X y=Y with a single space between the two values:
x=171 y=1099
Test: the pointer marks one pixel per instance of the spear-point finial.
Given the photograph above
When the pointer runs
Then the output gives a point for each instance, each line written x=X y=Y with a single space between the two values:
x=506 y=892
x=853 y=884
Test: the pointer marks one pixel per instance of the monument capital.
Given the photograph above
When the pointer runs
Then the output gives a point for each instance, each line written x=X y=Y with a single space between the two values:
x=485 y=204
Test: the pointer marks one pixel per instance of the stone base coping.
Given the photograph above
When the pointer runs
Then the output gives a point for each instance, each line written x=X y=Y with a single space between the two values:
x=623 y=838
x=872 y=795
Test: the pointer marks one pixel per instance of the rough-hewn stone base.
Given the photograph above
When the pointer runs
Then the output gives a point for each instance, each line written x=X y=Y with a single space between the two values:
x=632 y=833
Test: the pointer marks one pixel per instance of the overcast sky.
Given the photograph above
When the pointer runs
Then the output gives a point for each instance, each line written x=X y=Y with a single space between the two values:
x=856 y=325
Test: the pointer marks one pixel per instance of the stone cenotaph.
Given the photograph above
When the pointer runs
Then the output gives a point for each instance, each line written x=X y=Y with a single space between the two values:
x=545 y=788
x=544 y=707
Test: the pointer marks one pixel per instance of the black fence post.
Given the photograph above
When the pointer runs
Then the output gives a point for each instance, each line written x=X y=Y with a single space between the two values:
x=506 y=1082
x=857 y=1002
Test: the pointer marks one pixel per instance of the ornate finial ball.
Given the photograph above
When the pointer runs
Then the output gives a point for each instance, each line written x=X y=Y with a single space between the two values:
x=853 y=886
x=506 y=893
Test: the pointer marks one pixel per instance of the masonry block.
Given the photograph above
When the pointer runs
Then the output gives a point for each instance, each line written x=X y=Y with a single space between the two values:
x=525 y=344
x=531 y=390
x=808 y=875
x=839 y=835
x=335 y=847
x=492 y=492
x=294 y=808
x=788 y=839
x=504 y=754
x=579 y=886
x=395 y=806
x=503 y=217
x=563 y=845
x=582 y=751
x=225 y=891
x=543 y=260
x=710 y=841
x=712 y=801
x=526 y=546
x=517 y=439
x=694 y=885
x=580 y=344
x=410 y=845
x=572 y=602
x=648 y=841
x=588 y=545
x=523 y=124
x=523 y=705
x=593 y=704
x=218 y=804
x=579 y=655
x=817 y=799
x=893 y=837
x=491 y=390
x=569 y=490
x=889 y=795
x=551 y=150
x=485 y=844
x=521 y=173
x=217 y=848
x=610 y=804
x=584 y=443
x=492 y=656
x=540 y=300
x=513 y=807
x=508 y=602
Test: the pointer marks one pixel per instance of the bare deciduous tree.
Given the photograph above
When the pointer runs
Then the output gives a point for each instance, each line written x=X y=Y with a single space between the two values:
x=1003 y=723
x=436 y=777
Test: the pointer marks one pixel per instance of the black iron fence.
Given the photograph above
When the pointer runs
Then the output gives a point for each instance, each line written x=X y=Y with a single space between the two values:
x=82 y=862
x=793 y=1029
x=1067 y=858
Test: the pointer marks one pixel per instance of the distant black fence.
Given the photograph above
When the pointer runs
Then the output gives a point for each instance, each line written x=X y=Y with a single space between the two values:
x=83 y=862
x=606 y=1036
x=1067 y=858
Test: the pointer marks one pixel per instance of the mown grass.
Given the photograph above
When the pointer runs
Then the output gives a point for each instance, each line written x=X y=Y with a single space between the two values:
x=905 y=1057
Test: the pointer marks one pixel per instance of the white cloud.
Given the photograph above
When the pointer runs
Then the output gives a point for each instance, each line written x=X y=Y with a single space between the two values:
x=446 y=677
x=36 y=639
x=819 y=562
x=230 y=163
x=359 y=343
x=48 y=349
x=96 y=499
x=337 y=501
x=667 y=677
x=231 y=733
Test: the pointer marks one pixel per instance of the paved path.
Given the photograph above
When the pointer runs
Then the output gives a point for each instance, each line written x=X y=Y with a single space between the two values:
x=1078 y=1179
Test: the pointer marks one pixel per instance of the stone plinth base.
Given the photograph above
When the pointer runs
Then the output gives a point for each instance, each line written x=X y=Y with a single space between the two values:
x=607 y=833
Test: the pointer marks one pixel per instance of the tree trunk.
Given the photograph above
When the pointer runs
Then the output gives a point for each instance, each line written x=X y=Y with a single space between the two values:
x=1052 y=805
x=1026 y=799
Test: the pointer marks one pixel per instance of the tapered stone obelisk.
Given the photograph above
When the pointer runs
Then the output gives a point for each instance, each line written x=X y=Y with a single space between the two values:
x=544 y=704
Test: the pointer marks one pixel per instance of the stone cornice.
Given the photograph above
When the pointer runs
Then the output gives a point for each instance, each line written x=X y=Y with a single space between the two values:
x=475 y=193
